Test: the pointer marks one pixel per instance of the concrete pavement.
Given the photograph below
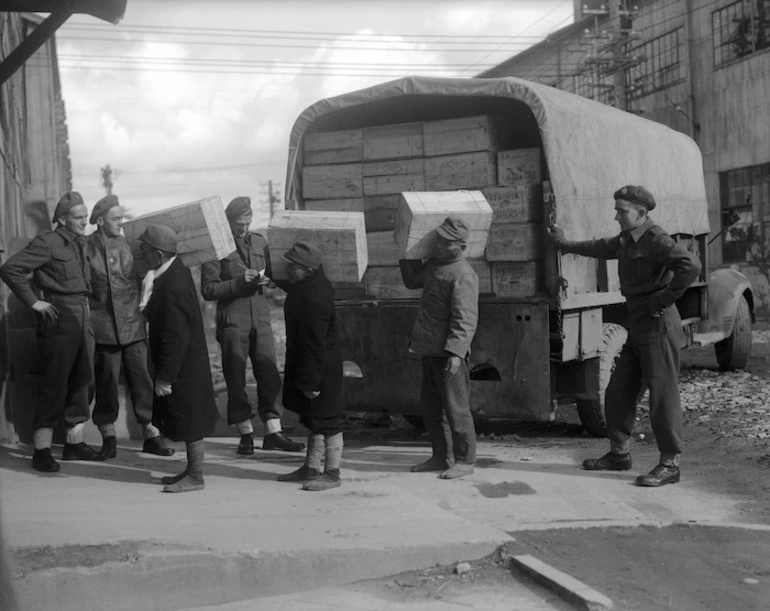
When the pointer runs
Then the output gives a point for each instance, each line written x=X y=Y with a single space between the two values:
x=103 y=535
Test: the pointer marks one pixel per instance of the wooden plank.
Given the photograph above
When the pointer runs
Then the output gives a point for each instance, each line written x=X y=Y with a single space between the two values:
x=342 y=146
x=519 y=167
x=201 y=226
x=520 y=204
x=466 y=134
x=484 y=272
x=387 y=283
x=327 y=181
x=514 y=242
x=515 y=279
x=420 y=213
x=382 y=248
x=394 y=176
x=393 y=141
x=343 y=204
x=463 y=171
x=380 y=211
x=340 y=236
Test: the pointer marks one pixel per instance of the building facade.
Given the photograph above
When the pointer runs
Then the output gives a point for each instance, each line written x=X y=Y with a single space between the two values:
x=701 y=67
x=34 y=173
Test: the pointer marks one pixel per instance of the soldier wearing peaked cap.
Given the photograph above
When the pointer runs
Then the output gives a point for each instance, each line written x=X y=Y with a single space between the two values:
x=654 y=272
x=244 y=332
x=59 y=266
x=119 y=330
x=184 y=407
x=442 y=335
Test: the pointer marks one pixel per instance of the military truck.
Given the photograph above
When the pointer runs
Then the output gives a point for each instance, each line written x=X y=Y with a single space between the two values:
x=551 y=324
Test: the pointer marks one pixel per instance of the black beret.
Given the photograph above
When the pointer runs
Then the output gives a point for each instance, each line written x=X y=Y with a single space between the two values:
x=453 y=229
x=636 y=195
x=238 y=207
x=102 y=206
x=67 y=201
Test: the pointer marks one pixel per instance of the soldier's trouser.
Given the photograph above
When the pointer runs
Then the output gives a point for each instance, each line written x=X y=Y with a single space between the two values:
x=66 y=350
x=107 y=363
x=650 y=354
x=446 y=411
x=257 y=344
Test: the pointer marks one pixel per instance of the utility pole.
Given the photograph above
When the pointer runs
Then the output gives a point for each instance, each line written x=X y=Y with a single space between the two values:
x=618 y=49
x=106 y=173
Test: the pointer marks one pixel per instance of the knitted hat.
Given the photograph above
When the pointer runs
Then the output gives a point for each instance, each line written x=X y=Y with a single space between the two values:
x=305 y=254
x=160 y=237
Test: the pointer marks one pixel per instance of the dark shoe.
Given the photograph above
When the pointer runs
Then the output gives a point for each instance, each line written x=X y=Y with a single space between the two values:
x=157 y=446
x=186 y=484
x=109 y=448
x=609 y=462
x=79 y=451
x=279 y=441
x=246 y=446
x=329 y=479
x=659 y=476
x=173 y=479
x=303 y=474
x=43 y=460
x=432 y=464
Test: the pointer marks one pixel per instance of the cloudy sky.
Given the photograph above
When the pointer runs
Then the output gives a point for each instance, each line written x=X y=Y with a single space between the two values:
x=186 y=99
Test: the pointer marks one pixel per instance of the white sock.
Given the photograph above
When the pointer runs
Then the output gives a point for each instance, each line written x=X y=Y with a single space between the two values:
x=42 y=438
x=107 y=430
x=75 y=433
x=149 y=431
x=245 y=427
x=273 y=425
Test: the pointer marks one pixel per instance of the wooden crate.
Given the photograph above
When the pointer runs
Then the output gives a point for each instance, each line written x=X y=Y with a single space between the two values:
x=340 y=236
x=343 y=146
x=393 y=141
x=343 y=204
x=329 y=181
x=514 y=242
x=484 y=272
x=382 y=248
x=515 y=278
x=380 y=211
x=394 y=176
x=467 y=134
x=520 y=204
x=519 y=167
x=420 y=213
x=387 y=283
x=201 y=226
x=463 y=171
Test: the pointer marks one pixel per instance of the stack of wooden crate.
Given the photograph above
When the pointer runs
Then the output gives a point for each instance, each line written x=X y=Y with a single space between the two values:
x=368 y=169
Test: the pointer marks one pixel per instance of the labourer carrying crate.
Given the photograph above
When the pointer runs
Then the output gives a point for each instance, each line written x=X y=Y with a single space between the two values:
x=654 y=272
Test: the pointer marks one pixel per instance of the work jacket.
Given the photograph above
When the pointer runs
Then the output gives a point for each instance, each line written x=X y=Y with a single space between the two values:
x=449 y=309
x=114 y=299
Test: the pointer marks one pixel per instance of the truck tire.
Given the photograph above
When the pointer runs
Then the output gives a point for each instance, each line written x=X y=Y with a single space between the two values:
x=733 y=352
x=591 y=411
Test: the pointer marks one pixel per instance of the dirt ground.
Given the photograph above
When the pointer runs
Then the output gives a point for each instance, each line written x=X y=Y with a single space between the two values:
x=682 y=567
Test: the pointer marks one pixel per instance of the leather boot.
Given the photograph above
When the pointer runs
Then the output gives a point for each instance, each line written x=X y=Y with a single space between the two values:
x=303 y=474
x=156 y=445
x=279 y=441
x=609 y=462
x=109 y=448
x=246 y=445
x=659 y=476
x=79 y=451
x=43 y=460
x=329 y=479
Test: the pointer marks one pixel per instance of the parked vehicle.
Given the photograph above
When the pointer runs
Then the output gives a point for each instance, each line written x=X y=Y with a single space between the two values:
x=558 y=343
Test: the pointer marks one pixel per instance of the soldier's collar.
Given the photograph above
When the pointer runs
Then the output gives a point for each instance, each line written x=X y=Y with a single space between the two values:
x=637 y=233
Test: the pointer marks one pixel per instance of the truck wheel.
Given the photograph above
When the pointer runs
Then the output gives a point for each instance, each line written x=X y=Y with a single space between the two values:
x=733 y=352
x=591 y=411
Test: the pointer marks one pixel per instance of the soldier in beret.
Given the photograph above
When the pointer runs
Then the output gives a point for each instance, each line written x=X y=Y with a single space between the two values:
x=244 y=332
x=119 y=330
x=654 y=272
x=442 y=335
x=58 y=263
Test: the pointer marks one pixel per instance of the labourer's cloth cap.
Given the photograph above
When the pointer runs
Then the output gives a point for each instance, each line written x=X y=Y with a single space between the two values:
x=67 y=201
x=453 y=229
x=160 y=237
x=304 y=253
x=636 y=195
x=102 y=206
x=238 y=207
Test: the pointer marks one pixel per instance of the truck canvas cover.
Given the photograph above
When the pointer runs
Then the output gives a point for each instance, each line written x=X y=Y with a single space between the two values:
x=590 y=149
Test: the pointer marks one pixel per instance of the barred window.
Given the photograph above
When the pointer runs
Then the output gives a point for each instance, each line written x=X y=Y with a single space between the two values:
x=745 y=205
x=594 y=86
x=660 y=65
x=740 y=29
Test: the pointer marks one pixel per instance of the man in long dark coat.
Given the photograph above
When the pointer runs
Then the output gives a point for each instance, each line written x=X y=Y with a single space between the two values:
x=184 y=407
x=119 y=330
x=244 y=333
x=312 y=383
